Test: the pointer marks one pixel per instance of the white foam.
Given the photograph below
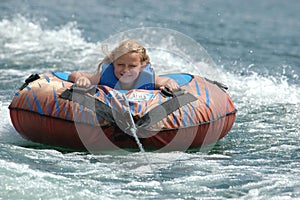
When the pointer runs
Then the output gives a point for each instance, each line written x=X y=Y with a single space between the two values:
x=24 y=42
x=7 y=133
x=168 y=62
x=255 y=89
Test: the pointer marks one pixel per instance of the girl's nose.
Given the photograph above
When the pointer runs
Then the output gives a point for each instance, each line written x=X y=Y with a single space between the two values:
x=126 y=69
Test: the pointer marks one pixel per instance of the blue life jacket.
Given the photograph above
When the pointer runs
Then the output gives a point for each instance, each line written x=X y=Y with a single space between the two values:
x=144 y=81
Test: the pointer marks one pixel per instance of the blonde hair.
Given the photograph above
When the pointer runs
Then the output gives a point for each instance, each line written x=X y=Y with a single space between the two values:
x=126 y=46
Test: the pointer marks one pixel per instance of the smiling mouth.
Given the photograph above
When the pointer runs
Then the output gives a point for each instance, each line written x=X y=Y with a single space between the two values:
x=125 y=75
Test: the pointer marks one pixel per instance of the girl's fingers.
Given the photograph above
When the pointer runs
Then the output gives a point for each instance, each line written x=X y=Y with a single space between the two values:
x=83 y=82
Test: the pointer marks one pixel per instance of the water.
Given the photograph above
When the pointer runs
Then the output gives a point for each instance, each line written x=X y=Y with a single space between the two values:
x=255 y=46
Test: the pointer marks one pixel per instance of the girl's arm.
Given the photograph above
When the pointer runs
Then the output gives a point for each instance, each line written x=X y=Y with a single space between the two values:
x=161 y=82
x=82 y=79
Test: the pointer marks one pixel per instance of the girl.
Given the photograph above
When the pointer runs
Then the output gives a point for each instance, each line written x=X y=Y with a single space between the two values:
x=126 y=67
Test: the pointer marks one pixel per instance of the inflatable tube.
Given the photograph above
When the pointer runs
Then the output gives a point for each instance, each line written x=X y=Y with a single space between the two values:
x=48 y=109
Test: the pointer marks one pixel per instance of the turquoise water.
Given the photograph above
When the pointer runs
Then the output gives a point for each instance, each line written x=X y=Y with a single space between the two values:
x=255 y=47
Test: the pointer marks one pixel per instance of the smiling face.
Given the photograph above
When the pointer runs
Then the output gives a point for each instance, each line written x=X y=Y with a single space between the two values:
x=128 y=67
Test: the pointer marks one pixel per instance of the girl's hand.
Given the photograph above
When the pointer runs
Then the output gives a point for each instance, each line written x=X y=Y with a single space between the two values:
x=83 y=81
x=171 y=85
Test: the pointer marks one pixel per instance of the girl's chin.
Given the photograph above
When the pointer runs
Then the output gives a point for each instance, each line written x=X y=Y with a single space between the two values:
x=126 y=81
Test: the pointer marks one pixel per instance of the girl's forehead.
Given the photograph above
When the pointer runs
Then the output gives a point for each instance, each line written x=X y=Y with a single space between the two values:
x=129 y=57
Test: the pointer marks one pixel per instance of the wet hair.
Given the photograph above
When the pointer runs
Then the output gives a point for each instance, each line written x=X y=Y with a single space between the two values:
x=126 y=46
